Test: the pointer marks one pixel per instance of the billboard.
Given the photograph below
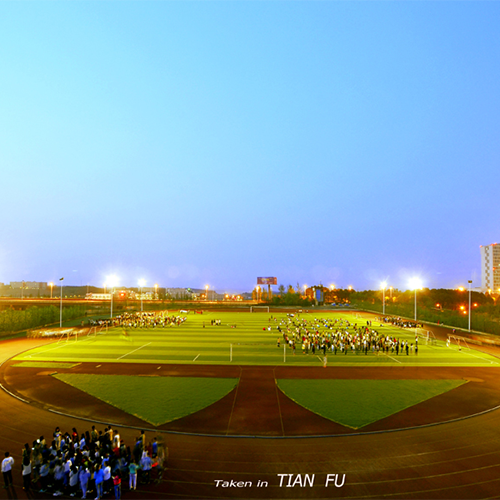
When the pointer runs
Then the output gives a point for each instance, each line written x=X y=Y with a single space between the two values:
x=267 y=281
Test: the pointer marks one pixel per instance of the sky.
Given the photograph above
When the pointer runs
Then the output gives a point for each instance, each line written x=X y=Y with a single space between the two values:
x=211 y=143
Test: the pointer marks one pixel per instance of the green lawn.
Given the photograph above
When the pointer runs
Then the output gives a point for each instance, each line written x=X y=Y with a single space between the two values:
x=139 y=396
x=357 y=403
x=242 y=338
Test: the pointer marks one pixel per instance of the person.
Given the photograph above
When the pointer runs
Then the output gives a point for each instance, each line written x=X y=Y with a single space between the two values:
x=7 y=464
x=146 y=465
x=99 y=481
x=117 y=481
x=84 y=476
x=132 y=472
x=26 y=473
x=73 y=480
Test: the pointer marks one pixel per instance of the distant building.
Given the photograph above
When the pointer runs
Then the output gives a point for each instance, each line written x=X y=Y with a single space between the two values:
x=490 y=267
x=28 y=285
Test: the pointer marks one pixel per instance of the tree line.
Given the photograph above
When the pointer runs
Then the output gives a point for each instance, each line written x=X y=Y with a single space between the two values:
x=16 y=321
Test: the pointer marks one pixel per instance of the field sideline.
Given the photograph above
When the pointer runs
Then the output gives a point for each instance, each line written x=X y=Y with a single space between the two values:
x=241 y=338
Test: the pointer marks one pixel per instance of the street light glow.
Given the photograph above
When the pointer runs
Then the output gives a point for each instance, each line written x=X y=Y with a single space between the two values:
x=415 y=284
x=142 y=283
x=112 y=281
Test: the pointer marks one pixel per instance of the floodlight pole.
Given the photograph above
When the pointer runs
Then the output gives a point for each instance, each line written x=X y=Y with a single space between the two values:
x=415 y=305
x=470 y=285
x=60 y=308
x=112 y=293
x=383 y=301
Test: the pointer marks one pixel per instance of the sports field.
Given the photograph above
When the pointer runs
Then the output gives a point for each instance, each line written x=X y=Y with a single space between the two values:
x=244 y=338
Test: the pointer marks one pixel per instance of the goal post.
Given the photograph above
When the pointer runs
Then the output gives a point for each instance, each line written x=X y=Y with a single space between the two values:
x=455 y=341
x=259 y=309
x=426 y=335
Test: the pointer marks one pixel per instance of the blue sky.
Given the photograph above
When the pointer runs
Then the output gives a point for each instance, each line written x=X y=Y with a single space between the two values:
x=194 y=143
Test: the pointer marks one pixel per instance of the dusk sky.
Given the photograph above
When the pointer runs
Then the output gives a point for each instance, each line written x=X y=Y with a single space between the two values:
x=195 y=143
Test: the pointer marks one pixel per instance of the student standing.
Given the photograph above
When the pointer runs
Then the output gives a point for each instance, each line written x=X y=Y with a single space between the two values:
x=7 y=464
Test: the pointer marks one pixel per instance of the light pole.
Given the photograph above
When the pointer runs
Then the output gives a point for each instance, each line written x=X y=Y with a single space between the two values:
x=384 y=286
x=51 y=287
x=470 y=285
x=258 y=292
x=142 y=283
x=415 y=284
x=112 y=281
x=206 y=293
x=156 y=291
x=60 y=308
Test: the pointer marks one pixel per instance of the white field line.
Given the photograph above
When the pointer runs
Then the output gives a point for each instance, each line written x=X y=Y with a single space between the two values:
x=196 y=357
x=53 y=348
x=492 y=362
x=393 y=358
x=134 y=350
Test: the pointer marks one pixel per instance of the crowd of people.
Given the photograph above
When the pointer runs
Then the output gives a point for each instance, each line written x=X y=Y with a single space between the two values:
x=401 y=322
x=338 y=335
x=93 y=463
x=160 y=319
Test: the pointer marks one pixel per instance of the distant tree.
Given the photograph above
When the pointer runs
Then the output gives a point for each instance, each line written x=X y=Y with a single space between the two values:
x=290 y=290
x=281 y=289
x=254 y=294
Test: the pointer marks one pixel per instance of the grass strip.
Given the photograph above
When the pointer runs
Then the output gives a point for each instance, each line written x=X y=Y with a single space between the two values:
x=156 y=400
x=357 y=403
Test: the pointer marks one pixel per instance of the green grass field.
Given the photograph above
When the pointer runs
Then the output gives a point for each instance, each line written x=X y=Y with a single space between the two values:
x=242 y=338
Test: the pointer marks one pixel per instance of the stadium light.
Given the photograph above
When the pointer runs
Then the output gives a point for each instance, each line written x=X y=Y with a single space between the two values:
x=142 y=283
x=51 y=287
x=60 y=308
x=415 y=284
x=384 y=286
x=206 y=292
x=112 y=281
x=470 y=285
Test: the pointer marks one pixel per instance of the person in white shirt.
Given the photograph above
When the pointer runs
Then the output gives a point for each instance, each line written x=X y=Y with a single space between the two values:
x=7 y=464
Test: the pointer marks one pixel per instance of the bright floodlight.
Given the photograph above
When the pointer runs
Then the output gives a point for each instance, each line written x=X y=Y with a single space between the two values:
x=383 y=285
x=415 y=284
x=112 y=281
x=142 y=283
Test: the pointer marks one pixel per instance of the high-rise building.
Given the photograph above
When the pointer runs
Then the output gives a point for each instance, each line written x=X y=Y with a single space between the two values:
x=490 y=267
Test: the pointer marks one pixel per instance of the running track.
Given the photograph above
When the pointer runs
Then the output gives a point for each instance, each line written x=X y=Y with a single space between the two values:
x=449 y=461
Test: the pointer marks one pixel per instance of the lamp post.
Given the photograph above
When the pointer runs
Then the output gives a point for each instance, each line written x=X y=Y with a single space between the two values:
x=60 y=308
x=258 y=293
x=112 y=281
x=470 y=285
x=384 y=286
x=51 y=287
x=415 y=284
x=142 y=283
x=206 y=293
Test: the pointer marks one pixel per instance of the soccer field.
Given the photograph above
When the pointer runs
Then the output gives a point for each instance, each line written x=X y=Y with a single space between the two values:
x=241 y=338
